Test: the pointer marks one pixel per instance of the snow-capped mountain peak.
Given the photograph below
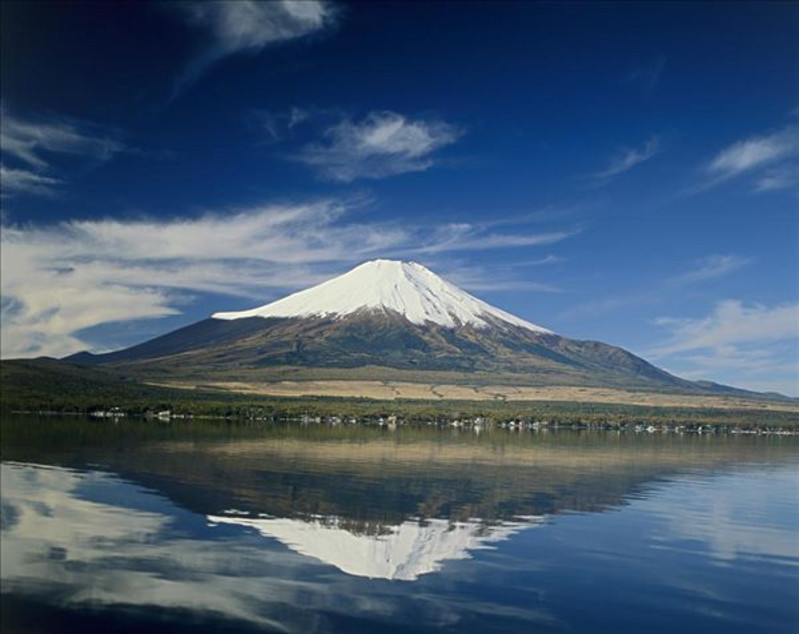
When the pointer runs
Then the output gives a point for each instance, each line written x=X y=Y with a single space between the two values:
x=406 y=288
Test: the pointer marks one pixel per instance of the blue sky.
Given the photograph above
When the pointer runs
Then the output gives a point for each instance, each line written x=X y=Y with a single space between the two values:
x=623 y=172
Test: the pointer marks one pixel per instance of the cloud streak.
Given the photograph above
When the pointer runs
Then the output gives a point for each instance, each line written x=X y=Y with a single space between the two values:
x=712 y=267
x=495 y=277
x=755 y=152
x=772 y=158
x=278 y=126
x=467 y=236
x=781 y=177
x=248 y=26
x=739 y=340
x=34 y=146
x=663 y=291
x=15 y=181
x=59 y=280
x=731 y=323
x=381 y=144
x=629 y=159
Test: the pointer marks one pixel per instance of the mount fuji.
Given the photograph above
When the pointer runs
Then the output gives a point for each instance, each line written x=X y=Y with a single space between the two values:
x=407 y=289
x=387 y=319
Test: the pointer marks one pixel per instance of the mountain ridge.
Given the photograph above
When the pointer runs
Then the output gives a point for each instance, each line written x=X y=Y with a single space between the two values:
x=389 y=317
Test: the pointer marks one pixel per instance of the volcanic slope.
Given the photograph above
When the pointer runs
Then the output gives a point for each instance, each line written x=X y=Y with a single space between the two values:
x=387 y=320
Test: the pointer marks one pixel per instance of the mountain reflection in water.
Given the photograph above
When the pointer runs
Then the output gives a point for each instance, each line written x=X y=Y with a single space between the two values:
x=400 y=552
x=318 y=529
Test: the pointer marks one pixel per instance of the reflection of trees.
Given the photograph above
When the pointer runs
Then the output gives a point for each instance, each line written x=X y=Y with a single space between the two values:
x=369 y=480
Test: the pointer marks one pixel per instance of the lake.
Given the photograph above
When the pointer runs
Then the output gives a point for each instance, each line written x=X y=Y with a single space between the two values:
x=232 y=527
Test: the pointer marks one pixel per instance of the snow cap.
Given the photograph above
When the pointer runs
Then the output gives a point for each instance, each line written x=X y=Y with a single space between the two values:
x=406 y=288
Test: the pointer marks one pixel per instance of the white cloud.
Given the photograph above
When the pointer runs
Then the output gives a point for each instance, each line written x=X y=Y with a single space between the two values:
x=546 y=260
x=781 y=177
x=61 y=279
x=770 y=159
x=15 y=181
x=32 y=141
x=278 y=125
x=248 y=26
x=37 y=144
x=380 y=145
x=736 y=342
x=466 y=236
x=713 y=266
x=628 y=159
x=763 y=367
x=755 y=152
x=731 y=323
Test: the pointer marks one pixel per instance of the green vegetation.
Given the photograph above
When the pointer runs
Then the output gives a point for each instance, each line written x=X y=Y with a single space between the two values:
x=55 y=386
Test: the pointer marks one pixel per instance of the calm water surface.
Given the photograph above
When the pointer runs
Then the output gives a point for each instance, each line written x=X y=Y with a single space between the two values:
x=239 y=528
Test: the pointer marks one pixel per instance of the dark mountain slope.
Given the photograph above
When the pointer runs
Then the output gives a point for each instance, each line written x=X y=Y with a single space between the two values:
x=388 y=340
x=387 y=319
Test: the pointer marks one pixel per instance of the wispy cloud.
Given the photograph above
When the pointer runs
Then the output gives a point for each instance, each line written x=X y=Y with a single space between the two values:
x=379 y=145
x=771 y=158
x=755 y=152
x=628 y=159
x=478 y=237
x=59 y=280
x=36 y=145
x=781 y=177
x=661 y=291
x=490 y=278
x=737 y=341
x=711 y=267
x=32 y=141
x=15 y=181
x=608 y=305
x=546 y=260
x=249 y=26
x=731 y=323
x=277 y=126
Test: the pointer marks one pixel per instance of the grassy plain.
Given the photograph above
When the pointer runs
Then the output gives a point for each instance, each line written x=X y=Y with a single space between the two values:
x=45 y=385
x=398 y=390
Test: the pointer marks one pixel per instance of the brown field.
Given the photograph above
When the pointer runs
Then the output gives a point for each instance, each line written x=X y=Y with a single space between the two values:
x=392 y=390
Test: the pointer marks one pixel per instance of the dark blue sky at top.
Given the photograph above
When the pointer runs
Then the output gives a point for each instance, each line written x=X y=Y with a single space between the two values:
x=545 y=101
